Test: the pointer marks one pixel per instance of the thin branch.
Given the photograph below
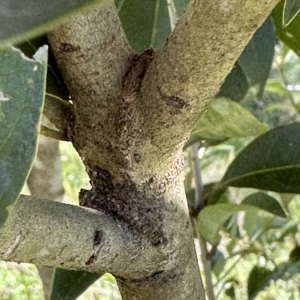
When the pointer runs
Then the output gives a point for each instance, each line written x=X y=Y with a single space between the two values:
x=58 y=112
x=54 y=134
x=199 y=203
x=186 y=74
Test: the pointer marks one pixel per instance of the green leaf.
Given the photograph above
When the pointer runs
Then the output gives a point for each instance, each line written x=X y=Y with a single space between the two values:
x=265 y=202
x=275 y=86
x=20 y=20
x=270 y=162
x=55 y=84
x=180 y=6
x=259 y=278
x=289 y=35
x=22 y=84
x=236 y=85
x=212 y=218
x=253 y=223
x=68 y=285
x=146 y=23
x=290 y=11
x=256 y=59
x=226 y=119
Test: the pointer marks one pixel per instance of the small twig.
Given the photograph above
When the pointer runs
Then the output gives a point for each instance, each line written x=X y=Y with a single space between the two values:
x=54 y=134
x=199 y=204
x=57 y=111
x=198 y=178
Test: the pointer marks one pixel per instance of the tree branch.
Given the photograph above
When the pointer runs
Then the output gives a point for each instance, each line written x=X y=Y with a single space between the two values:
x=76 y=238
x=187 y=73
x=93 y=54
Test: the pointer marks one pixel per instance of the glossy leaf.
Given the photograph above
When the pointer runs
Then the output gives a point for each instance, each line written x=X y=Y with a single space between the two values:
x=265 y=202
x=20 y=20
x=68 y=285
x=256 y=59
x=146 y=23
x=22 y=83
x=290 y=35
x=236 y=85
x=290 y=11
x=270 y=162
x=226 y=119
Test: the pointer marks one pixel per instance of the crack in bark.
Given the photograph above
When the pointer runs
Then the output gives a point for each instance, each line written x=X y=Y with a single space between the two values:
x=98 y=240
x=134 y=75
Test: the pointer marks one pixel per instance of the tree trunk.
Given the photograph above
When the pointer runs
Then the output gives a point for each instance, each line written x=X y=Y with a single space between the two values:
x=131 y=117
x=128 y=119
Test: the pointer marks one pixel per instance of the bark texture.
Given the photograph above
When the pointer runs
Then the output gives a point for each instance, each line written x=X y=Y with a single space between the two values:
x=129 y=118
x=45 y=182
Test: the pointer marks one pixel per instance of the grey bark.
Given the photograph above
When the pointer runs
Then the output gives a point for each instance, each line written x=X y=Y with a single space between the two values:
x=45 y=182
x=129 y=131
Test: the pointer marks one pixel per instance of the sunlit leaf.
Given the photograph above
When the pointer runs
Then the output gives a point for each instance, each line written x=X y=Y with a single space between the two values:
x=146 y=23
x=270 y=162
x=22 y=82
x=212 y=218
x=256 y=59
x=20 y=20
x=68 y=285
x=226 y=119
x=275 y=86
x=290 y=11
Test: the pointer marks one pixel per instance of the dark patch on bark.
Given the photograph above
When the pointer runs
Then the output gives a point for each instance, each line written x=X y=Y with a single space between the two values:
x=66 y=47
x=155 y=277
x=139 y=211
x=98 y=235
x=175 y=103
x=98 y=240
